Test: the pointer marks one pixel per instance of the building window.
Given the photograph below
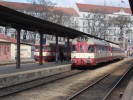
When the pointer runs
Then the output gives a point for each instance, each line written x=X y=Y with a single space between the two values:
x=83 y=23
x=114 y=39
x=83 y=15
x=8 y=49
x=88 y=15
x=83 y=30
x=5 y=51
x=118 y=39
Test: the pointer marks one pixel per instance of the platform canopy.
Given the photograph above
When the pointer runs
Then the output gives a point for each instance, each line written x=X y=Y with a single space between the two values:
x=131 y=5
x=16 y=19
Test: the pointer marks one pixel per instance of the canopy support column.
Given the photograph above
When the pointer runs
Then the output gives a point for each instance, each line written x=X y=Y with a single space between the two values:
x=68 y=49
x=56 y=56
x=41 y=50
x=18 y=48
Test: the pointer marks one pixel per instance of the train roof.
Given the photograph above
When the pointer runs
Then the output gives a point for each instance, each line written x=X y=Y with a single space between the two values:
x=93 y=41
x=97 y=41
x=114 y=45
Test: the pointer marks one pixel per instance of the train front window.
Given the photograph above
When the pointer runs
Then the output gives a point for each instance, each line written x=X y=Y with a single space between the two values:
x=74 y=48
x=37 y=47
x=90 y=48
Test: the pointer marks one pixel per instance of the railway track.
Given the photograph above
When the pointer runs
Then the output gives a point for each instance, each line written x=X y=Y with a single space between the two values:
x=103 y=87
x=34 y=83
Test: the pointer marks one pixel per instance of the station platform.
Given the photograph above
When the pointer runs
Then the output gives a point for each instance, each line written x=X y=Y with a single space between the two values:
x=9 y=75
x=14 y=62
x=10 y=67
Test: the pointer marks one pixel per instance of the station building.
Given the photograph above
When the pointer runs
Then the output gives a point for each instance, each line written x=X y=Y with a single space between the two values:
x=8 y=49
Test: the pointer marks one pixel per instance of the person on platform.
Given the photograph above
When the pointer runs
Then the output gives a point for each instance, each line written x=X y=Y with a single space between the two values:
x=61 y=55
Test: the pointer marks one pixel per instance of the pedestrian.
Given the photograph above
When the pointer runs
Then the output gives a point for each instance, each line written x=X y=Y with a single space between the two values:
x=61 y=56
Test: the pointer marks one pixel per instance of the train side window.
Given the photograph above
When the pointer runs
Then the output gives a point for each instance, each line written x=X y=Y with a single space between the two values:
x=90 y=48
x=74 y=48
x=95 y=48
x=47 y=48
x=98 y=48
x=103 y=49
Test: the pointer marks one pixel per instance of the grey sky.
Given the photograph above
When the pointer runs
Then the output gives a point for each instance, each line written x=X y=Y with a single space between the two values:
x=67 y=3
x=117 y=3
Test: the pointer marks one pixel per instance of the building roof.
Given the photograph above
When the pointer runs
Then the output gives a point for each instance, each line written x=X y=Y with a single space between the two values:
x=28 y=6
x=101 y=9
x=3 y=37
x=69 y=11
x=4 y=41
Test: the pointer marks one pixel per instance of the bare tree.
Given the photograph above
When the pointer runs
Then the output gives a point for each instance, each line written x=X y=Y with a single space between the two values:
x=123 y=22
x=97 y=23
x=46 y=10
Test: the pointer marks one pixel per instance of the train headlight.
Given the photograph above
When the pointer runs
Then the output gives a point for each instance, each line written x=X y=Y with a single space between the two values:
x=73 y=61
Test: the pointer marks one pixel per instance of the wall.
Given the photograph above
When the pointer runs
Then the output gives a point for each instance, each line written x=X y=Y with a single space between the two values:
x=25 y=51
x=13 y=52
x=5 y=51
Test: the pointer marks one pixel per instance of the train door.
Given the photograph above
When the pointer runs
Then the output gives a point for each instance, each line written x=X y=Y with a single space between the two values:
x=82 y=49
x=96 y=55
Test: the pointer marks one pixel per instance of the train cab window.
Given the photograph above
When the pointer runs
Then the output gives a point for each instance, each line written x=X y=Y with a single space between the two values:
x=90 y=48
x=82 y=48
x=37 y=47
x=74 y=48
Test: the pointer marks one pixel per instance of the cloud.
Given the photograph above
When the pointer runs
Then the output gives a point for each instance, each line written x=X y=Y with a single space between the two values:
x=80 y=1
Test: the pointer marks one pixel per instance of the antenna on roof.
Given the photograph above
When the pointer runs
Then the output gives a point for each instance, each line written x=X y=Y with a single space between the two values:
x=122 y=1
x=104 y=2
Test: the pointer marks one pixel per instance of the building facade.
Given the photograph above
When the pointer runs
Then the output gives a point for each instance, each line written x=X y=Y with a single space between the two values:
x=5 y=50
x=88 y=18
x=97 y=20
x=8 y=49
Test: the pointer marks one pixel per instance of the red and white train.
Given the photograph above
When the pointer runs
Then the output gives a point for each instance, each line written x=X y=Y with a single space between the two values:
x=88 y=51
x=49 y=51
